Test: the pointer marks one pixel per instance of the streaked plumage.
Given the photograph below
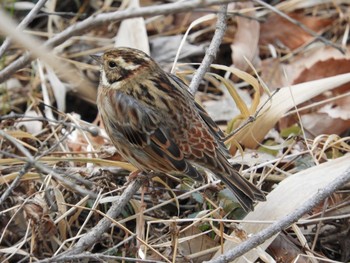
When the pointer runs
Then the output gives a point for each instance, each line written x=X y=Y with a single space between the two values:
x=155 y=124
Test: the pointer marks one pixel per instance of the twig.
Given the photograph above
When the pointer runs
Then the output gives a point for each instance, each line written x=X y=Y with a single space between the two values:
x=15 y=182
x=96 y=257
x=210 y=54
x=96 y=232
x=251 y=118
x=45 y=169
x=98 y=20
x=37 y=49
x=285 y=222
x=23 y=171
x=55 y=174
x=33 y=161
x=93 y=130
x=302 y=26
x=29 y=18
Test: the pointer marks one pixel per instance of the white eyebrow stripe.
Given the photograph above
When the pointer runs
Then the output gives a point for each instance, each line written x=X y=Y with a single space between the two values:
x=126 y=65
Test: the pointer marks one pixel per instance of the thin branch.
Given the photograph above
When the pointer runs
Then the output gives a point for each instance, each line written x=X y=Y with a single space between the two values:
x=96 y=232
x=37 y=49
x=212 y=50
x=302 y=26
x=29 y=18
x=251 y=118
x=100 y=19
x=33 y=161
x=15 y=182
x=24 y=169
x=96 y=257
x=47 y=170
x=61 y=178
x=93 y=130
x=285 y=222
x=19 y=146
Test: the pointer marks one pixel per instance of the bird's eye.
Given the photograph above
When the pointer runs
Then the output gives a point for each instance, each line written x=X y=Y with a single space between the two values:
x=112 y=64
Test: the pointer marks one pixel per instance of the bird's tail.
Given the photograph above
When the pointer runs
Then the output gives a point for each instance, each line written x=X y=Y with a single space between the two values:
x=244 y=190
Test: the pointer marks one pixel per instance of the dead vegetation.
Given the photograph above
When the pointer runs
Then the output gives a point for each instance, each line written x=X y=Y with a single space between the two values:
x=279 y=87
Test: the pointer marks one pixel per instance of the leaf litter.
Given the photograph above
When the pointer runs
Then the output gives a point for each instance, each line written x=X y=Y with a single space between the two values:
x=77 y=174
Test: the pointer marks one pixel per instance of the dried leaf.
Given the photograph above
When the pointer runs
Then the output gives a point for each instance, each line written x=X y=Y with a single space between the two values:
x=293 y=191
x=278 y=31
x=245 y=43
x=196 y=244
x=283 y=102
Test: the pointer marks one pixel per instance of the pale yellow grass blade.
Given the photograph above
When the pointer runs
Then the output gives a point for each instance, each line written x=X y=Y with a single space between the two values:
x=283 y=102
x=193 y=24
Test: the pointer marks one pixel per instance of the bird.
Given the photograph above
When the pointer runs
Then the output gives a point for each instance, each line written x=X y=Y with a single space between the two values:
x=155 y=124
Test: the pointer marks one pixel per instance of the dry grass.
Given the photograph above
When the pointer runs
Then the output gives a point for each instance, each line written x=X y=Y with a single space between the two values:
x=60 y=175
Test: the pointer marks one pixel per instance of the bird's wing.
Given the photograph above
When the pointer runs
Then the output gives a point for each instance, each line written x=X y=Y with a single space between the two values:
x=142 y=127
x=214 y=129
x=204 y=144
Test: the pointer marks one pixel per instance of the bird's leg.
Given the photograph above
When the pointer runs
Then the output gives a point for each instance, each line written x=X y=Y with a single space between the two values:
x=140 y=215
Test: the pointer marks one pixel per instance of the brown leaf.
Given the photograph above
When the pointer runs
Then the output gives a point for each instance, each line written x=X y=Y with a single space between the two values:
x=245 y=43
x=320 y=123
x=196 y=244
x=323 y=69
x=282 y=102
x=331 y=118
x=314 y=64
x=37 y=211
x=284 y=250
x=279 y=31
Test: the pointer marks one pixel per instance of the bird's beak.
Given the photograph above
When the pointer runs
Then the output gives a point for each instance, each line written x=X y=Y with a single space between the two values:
x=98 y=58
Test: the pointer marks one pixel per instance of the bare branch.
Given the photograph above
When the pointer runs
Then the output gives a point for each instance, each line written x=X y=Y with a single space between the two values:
x=285 y=222
x=97 y=20
x=29 y=18
x=302 y=26
x=212 y=50
x=251 y=118
x=44 y=53
x=95 y=233
x=95 y=257
x=33 y=161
